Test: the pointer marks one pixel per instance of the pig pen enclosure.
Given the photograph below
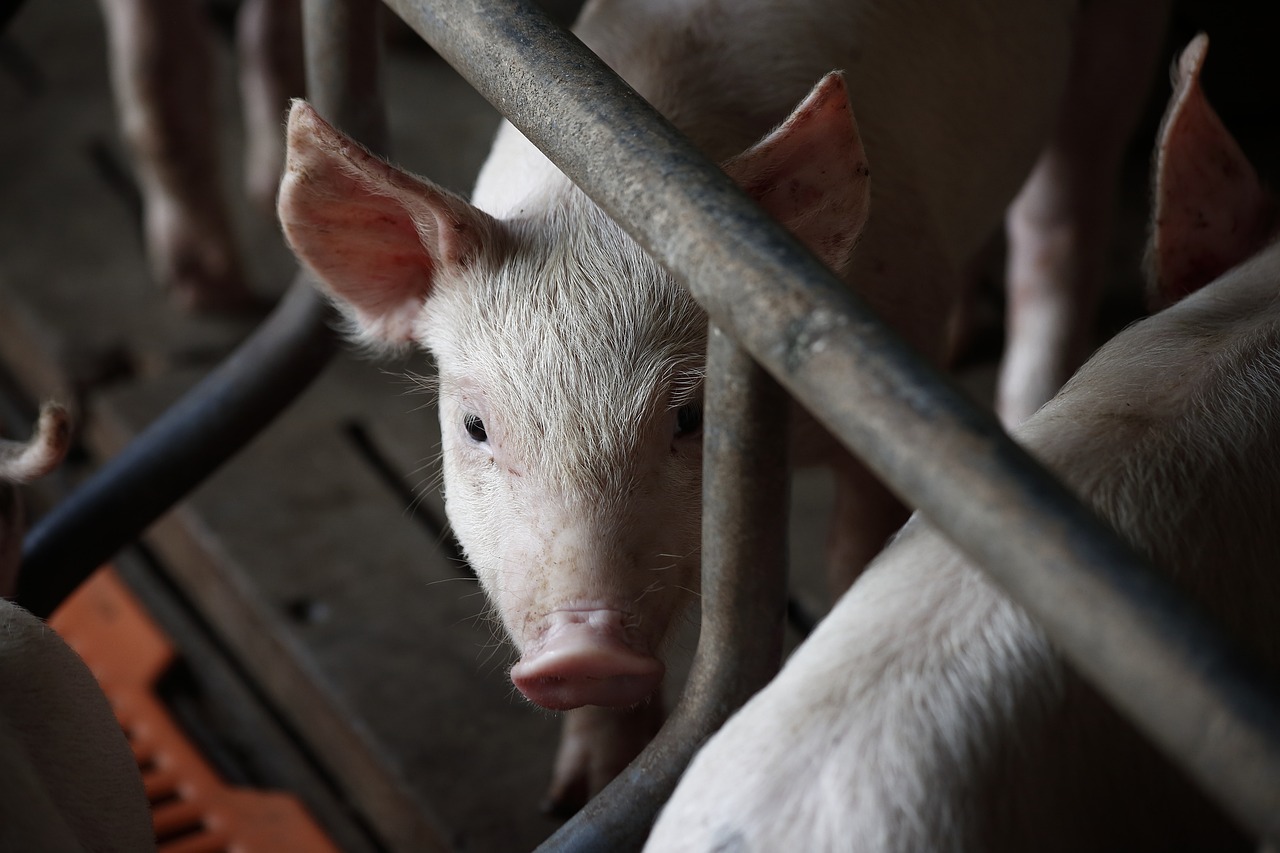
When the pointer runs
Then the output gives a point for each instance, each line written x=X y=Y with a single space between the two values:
x=314 y=597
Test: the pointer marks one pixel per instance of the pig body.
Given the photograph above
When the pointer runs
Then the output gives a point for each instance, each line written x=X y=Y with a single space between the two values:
x=928 y=712
x=570 y=364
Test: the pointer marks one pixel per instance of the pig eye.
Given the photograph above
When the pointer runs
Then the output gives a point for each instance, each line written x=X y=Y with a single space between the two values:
x=688 y=419
x=475 y=429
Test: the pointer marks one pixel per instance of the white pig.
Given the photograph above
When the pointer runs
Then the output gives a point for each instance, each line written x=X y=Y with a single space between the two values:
x=570 y=363
x=928 y=712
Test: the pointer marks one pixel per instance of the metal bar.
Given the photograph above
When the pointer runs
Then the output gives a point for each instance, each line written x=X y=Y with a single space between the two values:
x=744 y=596
x=177 y=451
x=344 y=71
x=243 y=394
x=1119 y=623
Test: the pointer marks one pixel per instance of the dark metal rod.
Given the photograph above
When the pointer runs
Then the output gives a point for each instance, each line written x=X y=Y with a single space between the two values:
x=744 y=597
x=241 y=396
x=177 y=451
x=1119 y=623
x=344 y=70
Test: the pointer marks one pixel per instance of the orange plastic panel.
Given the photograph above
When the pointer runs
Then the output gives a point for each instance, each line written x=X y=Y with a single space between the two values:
x=193 y=810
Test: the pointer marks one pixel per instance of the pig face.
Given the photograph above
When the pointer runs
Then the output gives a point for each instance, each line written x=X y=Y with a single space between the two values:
x=571 y=424
x=570 y=373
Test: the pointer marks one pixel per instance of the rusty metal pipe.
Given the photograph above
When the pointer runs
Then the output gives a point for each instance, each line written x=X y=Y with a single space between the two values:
x=242 y=395
x=744 y=597
x=1120 y=624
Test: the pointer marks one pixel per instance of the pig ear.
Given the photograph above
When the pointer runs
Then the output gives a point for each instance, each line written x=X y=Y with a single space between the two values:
x=1211 y=211
x=377 y=238
x=811 y=173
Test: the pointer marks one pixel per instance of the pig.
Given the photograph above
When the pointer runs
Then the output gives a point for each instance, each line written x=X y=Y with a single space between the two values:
x=928 y=711
x=70 y=781
x=570 y=364
x=161 y=59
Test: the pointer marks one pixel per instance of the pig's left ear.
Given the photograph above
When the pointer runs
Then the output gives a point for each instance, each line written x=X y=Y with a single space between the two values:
x=378 y=239
x=1211 y=210
x=811 y=173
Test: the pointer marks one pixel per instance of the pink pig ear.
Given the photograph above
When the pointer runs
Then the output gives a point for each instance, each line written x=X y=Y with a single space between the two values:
x=811 y=173
x=1211 y=211
x=377 y=238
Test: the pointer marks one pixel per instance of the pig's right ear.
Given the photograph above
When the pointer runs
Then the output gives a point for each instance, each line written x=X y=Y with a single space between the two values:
x=1211 y=210
x=377 y=238
x=811 y=173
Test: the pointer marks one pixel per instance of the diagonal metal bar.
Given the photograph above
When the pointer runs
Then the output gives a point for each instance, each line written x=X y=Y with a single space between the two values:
x=1120 y=624
x=242 y=395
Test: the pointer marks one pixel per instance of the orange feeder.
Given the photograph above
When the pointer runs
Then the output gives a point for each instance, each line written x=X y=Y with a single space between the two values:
x=192 y=809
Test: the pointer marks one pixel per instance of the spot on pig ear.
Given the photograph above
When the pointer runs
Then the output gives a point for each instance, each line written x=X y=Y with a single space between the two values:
x=376 y=238
x=1211 y=211
x=811 y=173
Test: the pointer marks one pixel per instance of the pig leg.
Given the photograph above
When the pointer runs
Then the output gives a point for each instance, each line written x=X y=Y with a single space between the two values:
x=1059 y=223
x=161 y=57
x=595 y=745
x=269 y=44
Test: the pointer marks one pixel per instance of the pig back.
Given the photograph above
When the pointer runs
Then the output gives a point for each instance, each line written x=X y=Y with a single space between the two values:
x=953 y=99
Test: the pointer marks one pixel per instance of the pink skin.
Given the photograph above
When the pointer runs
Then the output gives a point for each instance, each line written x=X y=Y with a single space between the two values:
x=583 y=659
x=1211 y=210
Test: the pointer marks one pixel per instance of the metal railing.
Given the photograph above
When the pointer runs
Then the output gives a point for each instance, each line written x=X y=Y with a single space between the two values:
x=1142 y=645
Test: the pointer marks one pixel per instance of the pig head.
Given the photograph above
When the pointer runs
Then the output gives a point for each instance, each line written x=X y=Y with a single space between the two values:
x=570 y=370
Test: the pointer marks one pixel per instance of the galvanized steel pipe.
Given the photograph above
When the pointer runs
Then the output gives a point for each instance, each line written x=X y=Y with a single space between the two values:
x=1120 y=624
x=243 y=394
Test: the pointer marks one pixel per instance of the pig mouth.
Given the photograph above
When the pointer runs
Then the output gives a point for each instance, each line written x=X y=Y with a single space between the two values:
x=583 y=658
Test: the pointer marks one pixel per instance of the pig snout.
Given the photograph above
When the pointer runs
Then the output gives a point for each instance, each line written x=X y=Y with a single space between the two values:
x=584 y=658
